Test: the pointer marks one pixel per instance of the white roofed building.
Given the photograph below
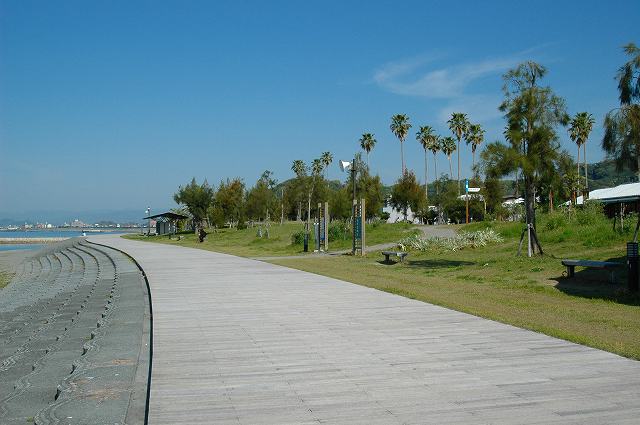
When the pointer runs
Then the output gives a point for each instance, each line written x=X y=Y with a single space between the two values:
x=629 y=192
x=624 y=198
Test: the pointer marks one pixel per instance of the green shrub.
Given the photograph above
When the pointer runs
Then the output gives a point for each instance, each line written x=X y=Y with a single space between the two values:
x=297 y=238
x=555 y=220
x=460 y=241
x=591 y=212
x=339 y=231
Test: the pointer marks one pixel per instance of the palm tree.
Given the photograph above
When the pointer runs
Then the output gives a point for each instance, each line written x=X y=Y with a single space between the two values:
x=434 y=145
x=622 y=125
x=326 y=159
x=317 y=166
x=400 y=128
x=572 y=182
x=425 y=136
x=448 y=147
x=475 y=137
x=299 y=168
x=579 y=130
x=459 y=126
x=367 y=143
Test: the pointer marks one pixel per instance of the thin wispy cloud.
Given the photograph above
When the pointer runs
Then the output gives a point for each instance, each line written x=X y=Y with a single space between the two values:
x=411 y=79
x=455 y=85
x=480 y=108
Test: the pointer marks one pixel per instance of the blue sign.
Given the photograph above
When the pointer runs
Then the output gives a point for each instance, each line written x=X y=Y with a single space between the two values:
x=466 y=185
x=358 y=228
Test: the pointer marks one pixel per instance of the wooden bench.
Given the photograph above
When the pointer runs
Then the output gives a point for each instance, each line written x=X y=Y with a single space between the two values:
x=399 y=254
x=604 y=265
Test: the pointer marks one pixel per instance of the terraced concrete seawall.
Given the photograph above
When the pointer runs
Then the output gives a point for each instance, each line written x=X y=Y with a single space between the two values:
x=74 y=338
x=238 y=341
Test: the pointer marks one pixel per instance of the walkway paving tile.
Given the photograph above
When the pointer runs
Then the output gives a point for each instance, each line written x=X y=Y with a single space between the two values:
x=240 y=341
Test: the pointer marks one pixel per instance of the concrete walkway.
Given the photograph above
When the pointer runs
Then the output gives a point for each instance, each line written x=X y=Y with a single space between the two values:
x=238 y=341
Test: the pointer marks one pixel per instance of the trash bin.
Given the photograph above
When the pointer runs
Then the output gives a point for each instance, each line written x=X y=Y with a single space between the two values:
x=632 y=266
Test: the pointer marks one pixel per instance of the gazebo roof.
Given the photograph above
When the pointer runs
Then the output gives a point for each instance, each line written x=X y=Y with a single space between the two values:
x=167 y=216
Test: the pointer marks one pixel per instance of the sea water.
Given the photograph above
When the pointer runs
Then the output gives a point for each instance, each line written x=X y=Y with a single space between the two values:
x=19 y=246
x=37 y=234
x=40 y=233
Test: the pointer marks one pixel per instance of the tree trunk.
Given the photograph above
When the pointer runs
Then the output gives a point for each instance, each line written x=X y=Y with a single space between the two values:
x=435 y=173
x=529 y=200
x=309 y=211
x=402 y=156
x=451 y=172
x=586 y=179
x=473 y=162
x=426 y=178
x=458 y=166
x=578 y=162
x=368 y=160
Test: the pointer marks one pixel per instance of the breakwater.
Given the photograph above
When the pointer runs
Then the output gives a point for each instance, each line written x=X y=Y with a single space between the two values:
x=30 y=240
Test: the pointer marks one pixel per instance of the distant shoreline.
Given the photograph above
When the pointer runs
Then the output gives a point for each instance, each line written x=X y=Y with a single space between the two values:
x=10 y=241
x=46 y=236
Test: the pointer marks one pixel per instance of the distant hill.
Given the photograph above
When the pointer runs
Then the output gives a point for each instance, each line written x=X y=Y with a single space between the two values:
x=604 y=174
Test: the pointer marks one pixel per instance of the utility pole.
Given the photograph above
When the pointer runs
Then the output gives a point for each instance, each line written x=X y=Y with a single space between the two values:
x=466 y=196
x=281 y=206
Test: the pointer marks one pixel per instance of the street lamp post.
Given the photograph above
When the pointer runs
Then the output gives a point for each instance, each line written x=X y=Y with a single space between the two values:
x=148 y=221
x=351 y=166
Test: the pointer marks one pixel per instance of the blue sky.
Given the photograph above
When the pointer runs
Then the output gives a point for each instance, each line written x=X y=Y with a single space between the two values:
x=108 y=105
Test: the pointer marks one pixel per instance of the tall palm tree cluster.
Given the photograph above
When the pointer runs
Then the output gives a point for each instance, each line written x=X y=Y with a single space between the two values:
x=317 y=167
x=579 y=129
x=461 y=128
x=530 y=150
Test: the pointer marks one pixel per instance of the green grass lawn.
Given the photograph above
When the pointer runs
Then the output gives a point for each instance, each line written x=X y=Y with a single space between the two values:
x=246 y=243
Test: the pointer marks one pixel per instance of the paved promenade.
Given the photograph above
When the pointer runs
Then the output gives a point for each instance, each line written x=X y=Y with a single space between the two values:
x=238 y=341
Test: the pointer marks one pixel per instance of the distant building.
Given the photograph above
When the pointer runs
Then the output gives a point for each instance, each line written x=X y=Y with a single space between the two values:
x=622 y=199
x=78 y=223
x=396 y=215
x=512 y=200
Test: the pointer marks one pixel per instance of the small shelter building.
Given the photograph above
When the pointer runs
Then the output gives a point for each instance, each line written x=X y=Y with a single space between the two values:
x=166 y=222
